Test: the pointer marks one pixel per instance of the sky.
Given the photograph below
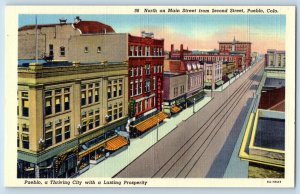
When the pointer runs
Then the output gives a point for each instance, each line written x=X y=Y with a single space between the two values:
x=197 y=32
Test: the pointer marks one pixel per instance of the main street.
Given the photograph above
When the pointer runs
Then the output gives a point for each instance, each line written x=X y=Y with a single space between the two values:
x=191 y=149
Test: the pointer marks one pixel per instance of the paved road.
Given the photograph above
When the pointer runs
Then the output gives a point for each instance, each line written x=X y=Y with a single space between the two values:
x=191 y=149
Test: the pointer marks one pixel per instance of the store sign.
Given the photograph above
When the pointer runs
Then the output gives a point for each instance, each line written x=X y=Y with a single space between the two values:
x=159 y=93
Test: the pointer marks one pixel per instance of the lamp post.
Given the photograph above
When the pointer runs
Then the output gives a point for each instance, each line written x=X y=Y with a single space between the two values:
x=194 y=106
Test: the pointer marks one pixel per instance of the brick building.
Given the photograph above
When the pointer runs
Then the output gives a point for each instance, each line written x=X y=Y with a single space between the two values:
x=236 y=47
x=146 y=66
x=211 y=56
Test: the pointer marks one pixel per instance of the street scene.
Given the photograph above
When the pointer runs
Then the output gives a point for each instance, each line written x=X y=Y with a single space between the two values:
x=151 y=96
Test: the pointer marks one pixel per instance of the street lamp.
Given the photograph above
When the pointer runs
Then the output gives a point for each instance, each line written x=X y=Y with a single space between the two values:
x=194 y=106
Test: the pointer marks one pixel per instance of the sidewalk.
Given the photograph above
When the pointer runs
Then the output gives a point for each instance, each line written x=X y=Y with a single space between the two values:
x=114 y=164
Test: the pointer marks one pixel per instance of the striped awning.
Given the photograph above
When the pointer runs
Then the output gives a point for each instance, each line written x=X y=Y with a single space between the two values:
x=151 y=122
x=116 y=143
x=175 y=109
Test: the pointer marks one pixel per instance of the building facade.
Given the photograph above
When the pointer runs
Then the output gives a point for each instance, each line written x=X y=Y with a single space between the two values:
x=175 y=89
x=275 y=58
x=146 y=67
x=183 y=84
x=212 y=74
x=234 y=47
x=211 y=56
x=69 y=116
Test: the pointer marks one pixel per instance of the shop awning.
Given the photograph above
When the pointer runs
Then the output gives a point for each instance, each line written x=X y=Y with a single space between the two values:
x=116 y=143
x=91 y=149
x=175 y=109
x=197 y=96
x=151 y=122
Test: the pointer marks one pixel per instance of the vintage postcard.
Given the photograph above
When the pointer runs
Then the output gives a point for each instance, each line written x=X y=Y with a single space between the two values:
x=150 y=96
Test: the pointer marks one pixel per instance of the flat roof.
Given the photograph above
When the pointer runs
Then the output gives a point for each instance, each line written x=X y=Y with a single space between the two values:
x=270 y=133
x=274 y=82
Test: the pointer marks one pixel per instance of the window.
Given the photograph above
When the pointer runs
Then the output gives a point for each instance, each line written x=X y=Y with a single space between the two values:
x=67 y=101
x=48 y=138
x=90 y=95
x=62 y=51
x=83 y=98
x=131 y=50
x=175 y=92
x=141 y=86
x=108 y=92
x=131 y=89
x=97 y=95
x=147 y=86
x=83 y=128
x=140 y=50
x=25 y=141
x=86 y=49
x=141 y=70
x=154 y=51
x=154 y=69
x=57 y=104
x=115 y=90
x=50 y=50
x=161 y=52
x=25 y=104
x=91 y=124
x=154 y=83
x=58 y=135
x=98 y=49
x=120 y=112
x=97 y=121
x=120 y=87
x=18 y=140
x=136 y=87
x=136 y=52
x=67 y=132
x=137 y=71
x=115 y=114
x=131 y=72
x=147 y=69
x=25 y=128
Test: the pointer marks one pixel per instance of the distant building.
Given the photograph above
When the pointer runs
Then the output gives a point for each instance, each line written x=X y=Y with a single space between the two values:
x=210 y=56
x=69 y=116
x=263 y=145
x=183 y=84
x=275 y=58
x=175 y=88
x=236 y=47
x=212 y=74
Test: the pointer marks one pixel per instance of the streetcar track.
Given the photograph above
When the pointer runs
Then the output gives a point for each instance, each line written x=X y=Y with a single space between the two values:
x=209 y=121
x=214 y=127
x=214 y=134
